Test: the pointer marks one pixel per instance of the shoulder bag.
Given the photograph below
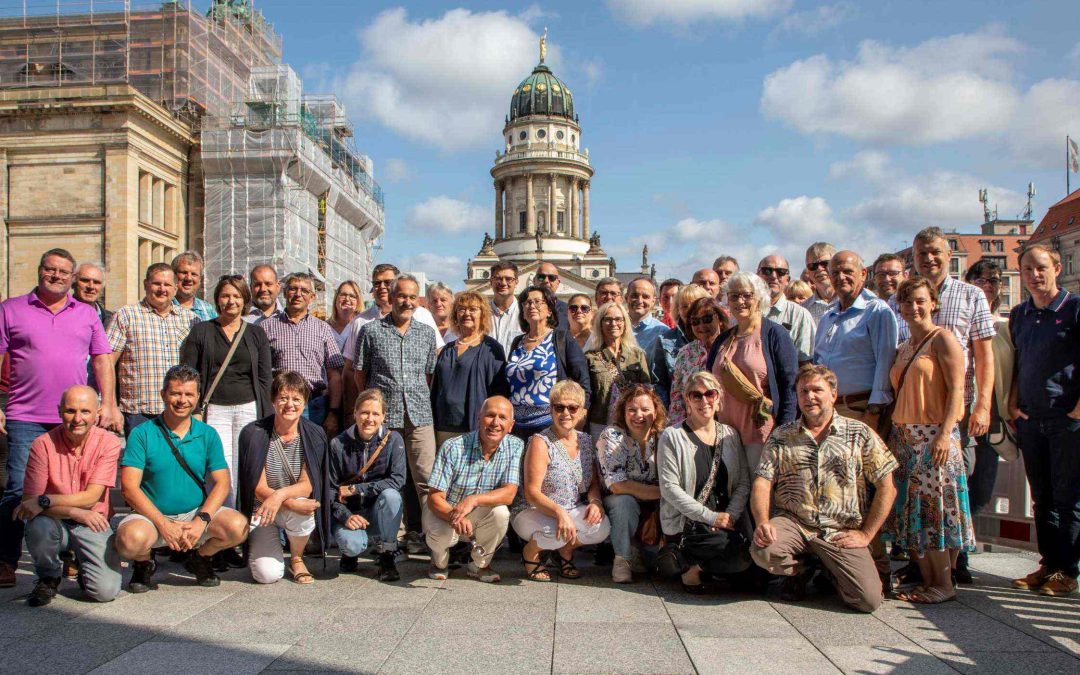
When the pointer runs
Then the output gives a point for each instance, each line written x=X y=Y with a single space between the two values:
x=201 y=413
x=885 y=421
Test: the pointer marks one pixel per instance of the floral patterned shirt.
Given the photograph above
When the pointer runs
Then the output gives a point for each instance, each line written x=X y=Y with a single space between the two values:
x=532 y=374
x=691 y=359
x=566 y=480
x=619 y=458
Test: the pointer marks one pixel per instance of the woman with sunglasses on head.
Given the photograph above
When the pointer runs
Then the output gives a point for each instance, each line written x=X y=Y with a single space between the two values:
x=704 y=488
x=707 y=319
x=559 y=507
x=615 y=362
x=580 y=312
x=756 y=364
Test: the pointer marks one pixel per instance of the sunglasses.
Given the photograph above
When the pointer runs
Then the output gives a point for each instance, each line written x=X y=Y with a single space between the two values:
x=383 y=282
x=580 y=308
x=702 y=320
x=547 y=277
x=697 y=396
x=561 y=408
x=769 y=271
x=819 y=265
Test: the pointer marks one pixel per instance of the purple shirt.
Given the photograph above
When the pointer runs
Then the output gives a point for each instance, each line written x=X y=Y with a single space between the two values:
x=48 y=353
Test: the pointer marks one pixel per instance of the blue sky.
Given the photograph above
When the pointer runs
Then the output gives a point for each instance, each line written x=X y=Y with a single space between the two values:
x=714 y=126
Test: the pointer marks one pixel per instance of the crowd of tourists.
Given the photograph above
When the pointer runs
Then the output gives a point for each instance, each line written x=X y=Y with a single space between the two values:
x=747 y=425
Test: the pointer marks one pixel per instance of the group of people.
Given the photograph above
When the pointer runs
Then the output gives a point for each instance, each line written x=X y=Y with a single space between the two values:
x=721 y=431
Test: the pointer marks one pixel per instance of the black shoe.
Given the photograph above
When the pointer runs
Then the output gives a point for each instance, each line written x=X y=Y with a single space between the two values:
x=349 y=564
x=44 y=591
x=794 y=588
x=179 y=556
x=203 y=568
x=908 y=574
x=387 y=569
x=234 y=557
x=823 y=583
x=219 y=562
x=604 y=556
x=142 y=576
x=962 y=575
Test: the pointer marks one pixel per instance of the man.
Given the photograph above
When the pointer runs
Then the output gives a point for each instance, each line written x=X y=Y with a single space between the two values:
x=264 y=293
x=89 y=283
x=856 y=339
x=669 y=288
x=168 y=498
x=608 y=289
x=188 y=267
x=823 y=510
x=889 y=272
x=145 y=339
x=547 y=276
x=817 y=265
x=640 y=303
x=1045 y=402
x=775 y=272
x=505 y=311
x=725 y=266
x=396 y=355
x=46 y=337
x=473 y=483
x=66 y=500
x=710 y=281
x=302 y=342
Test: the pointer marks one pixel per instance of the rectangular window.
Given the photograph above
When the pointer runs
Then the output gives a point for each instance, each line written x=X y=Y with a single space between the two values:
x=952 y=244
x=560 y=221
x=999 y=246
x=521 y=221
x=954 y=266
x=1068 y=264
x=984 y=245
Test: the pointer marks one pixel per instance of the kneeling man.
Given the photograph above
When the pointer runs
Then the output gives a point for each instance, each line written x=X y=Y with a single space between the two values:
x=818 y=471
x=163 y=478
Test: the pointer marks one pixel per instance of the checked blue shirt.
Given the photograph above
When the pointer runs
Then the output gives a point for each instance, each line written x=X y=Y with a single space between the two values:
x=460 y=468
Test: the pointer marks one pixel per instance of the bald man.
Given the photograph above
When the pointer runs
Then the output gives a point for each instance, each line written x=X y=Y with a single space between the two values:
x=547 y=276
x=776 y=273
x=472 y=485
x=66 y=500
x=709 y=280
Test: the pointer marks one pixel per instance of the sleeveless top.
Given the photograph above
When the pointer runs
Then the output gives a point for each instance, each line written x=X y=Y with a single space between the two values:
x=922 y=399
x=566 y=479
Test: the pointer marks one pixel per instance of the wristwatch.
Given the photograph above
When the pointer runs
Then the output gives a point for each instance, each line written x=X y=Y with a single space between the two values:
x=204 y=516
x=44 y=502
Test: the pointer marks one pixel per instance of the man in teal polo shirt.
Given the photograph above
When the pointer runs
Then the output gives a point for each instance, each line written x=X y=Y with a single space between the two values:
x=169 y=499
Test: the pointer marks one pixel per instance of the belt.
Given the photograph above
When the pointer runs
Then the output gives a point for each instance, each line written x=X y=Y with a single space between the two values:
x=861 y=397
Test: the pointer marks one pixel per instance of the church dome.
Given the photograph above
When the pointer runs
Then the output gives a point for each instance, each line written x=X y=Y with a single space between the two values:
x=541 y=93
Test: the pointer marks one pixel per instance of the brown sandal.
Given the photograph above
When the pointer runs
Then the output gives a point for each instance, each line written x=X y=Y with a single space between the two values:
x=304 y=577
x=927 y=596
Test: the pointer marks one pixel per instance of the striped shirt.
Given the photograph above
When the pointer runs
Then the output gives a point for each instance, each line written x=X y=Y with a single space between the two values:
x=279 y=476
x=307 y=346
x=149 y=344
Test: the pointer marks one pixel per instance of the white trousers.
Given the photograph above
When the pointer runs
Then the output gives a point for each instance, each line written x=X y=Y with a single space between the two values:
x=228 y=420
x=264 y=544
x=532 y=523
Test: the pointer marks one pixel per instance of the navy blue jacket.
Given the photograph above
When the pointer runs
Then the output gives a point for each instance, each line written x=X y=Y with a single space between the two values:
x=462 y=384
x=348 y=454
x=781 y=362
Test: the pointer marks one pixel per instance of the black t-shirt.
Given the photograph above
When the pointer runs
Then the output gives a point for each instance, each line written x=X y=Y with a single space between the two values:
x=703 y=457
x=237 y=386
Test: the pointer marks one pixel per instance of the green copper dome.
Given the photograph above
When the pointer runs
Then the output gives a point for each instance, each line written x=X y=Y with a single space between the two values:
x=541 y=93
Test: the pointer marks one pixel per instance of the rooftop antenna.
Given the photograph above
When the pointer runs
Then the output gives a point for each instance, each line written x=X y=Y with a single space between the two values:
x=985 y=201
x=1028 y=209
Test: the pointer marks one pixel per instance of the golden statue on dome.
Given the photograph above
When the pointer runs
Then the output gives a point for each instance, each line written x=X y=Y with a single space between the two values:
x=543 y=45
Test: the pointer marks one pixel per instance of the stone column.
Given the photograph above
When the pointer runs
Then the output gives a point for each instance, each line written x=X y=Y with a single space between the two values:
x=498 y=211
x=551 y=205
x=575 y=229
x=5 y=253
x=585 y=207
x=121 y=255
x=530 y=207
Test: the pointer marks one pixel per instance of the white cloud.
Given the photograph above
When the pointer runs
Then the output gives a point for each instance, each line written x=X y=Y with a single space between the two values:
x=396 y=170
x=817 y=20
x=445 y=268
x=447 y=215
x=685 y=12
x=444 y=81
x=869 y=165
x=802 y=218
x=1050 y=110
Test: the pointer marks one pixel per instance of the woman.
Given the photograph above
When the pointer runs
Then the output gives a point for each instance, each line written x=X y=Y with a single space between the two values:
x=704 y=488
x=580 y=312
x=468 y=370
x=540 y=357
x=559 y=507
x=440 y=298
x=346 y=306
x=234 y=363
x=283 y=483
x=626 y=454
x=615 y=362
x=931 y=517
x=672 y=340
x=707 y=319
x=756 y=364
x=366 y=471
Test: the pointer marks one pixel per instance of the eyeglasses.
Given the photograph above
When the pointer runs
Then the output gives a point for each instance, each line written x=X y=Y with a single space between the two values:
x=296 y=290
x=561 y=408
x=993 y=281
x=613 y=319
x=890 y=274
x=702 y=320
x=56 y=272
x=580 y=308
x=697 y=396
x=504 y=280
x=547 y=277
x=736 y=297
x=294 y=400
x=819 y=265
x=769 y=271
x=534 y=303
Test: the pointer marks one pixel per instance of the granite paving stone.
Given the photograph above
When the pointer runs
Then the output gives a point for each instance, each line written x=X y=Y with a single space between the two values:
x=782 y=656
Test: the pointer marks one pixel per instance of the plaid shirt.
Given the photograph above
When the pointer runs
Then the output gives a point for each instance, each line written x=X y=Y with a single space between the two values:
x=307 y=346
x=149 y=344
x=824 y=487
x=962 y=308
x=203 y=309
x=817 y=308
x=399 y=365
x=460 y=468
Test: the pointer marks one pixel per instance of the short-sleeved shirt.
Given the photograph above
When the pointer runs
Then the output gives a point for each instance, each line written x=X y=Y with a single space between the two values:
x=307 y=347
x=54 y=469
x=201 y=308
x=824 y=486
x=398 y=364
x=798 y=322
x=373 y=313
x=619 y=458
x=149 y=344
x=962 y=308
x=47 y=352
x=460 y=469
x=164 y=481
x=1047 y=343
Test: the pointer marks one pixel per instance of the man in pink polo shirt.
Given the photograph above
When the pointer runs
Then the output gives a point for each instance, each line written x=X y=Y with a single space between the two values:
x=47 y=336
x=66 y=500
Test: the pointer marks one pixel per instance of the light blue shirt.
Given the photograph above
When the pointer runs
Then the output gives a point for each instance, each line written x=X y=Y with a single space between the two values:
x=648 y=331
x=203 y=309
x=859 y=345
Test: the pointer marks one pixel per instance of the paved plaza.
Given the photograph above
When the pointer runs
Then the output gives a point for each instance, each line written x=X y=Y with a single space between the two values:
x=355 y=624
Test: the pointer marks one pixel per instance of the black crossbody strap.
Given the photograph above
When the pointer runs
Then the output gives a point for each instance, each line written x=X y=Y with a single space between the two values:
x=179 y=458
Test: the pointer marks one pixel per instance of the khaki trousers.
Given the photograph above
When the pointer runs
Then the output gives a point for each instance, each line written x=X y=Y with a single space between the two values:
x=489 y=527
x=444 y=436
x=853 y=569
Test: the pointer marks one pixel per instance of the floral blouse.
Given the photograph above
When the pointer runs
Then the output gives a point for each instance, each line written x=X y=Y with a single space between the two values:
x=619 y=457
x=567 y=480
x=691 y=359
x=532 y=374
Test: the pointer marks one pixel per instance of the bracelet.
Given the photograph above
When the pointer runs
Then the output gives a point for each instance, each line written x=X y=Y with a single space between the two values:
x=598 y=502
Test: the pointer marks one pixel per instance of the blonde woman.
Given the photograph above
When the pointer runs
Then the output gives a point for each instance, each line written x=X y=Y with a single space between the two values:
x=615 y=362
x=347 y=301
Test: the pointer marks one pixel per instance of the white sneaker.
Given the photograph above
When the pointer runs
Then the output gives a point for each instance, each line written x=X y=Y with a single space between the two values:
x=438 y=573
x=484 y=574
x=620 y=571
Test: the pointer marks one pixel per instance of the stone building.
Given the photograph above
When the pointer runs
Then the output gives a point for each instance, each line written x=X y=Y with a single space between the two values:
x=1060 y=228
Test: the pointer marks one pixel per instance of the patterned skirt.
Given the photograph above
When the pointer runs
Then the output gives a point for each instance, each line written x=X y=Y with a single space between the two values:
x=931 y=512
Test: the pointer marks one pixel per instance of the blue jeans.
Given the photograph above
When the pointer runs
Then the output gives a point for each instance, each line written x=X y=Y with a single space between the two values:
x=99 y=563
x=623 y=511
x=316 y=409
x=20 y=436
x=384 y=519
x=1052 y=464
